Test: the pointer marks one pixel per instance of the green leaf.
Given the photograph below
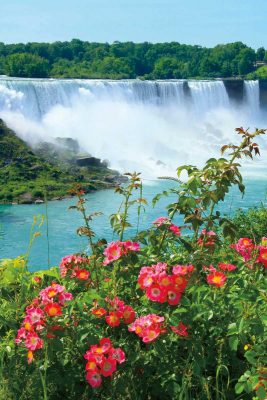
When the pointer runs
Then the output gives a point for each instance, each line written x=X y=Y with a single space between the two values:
x=180 y=310
x=239 y=388
x=233 y=343
x=250 y=356
x=232 y=329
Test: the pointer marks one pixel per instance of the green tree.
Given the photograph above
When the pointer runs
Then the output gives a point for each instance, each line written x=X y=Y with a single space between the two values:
x=168 y=68
x=260 y=54
x=27 y=66
x=246 y=61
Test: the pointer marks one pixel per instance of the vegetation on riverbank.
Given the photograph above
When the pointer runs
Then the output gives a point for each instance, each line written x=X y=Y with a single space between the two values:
x=166 y=315
x=46 y=172
x=80 y=59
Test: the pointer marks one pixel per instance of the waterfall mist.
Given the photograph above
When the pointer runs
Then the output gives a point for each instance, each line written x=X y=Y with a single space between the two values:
x=151 y=127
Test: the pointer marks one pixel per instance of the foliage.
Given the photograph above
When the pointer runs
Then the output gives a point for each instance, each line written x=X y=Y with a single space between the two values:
x=80 y=59
x=26 y=66
x=174 y=313
x=260 y=73
x=27 y=174
x=253 y=223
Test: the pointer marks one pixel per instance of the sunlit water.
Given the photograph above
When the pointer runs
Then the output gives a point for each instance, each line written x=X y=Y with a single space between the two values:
x=147 y=126
x=15 y=221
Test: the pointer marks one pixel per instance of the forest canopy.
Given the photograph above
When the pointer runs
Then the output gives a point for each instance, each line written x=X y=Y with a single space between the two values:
x=121 y=60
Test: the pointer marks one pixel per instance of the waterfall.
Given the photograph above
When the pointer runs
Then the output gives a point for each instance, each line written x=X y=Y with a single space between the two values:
x=148 y=126
x=252 y=97
x=208 y=95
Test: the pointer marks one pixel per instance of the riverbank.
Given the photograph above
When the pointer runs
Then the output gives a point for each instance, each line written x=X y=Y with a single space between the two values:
x=48 y=171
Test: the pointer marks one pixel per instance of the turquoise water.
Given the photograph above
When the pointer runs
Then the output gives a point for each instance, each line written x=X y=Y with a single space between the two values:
x=16 y=220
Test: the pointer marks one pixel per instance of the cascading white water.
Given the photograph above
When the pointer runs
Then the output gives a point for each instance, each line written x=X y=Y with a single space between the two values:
x=148 y=126
x=252 y=97
x=207 y=95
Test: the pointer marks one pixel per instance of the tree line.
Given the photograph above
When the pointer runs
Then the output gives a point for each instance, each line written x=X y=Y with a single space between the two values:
x=82 y=59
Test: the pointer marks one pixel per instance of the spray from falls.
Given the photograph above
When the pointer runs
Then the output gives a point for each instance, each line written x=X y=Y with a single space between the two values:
x=147 y=126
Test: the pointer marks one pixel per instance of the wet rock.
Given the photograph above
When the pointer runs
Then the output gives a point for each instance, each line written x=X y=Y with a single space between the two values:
x=26 y=198
x=89 y=162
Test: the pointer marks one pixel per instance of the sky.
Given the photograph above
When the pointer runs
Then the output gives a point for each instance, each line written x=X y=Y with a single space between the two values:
x=200 y=22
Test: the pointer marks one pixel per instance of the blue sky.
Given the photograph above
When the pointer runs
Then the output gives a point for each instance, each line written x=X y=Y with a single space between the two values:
x=202 y=22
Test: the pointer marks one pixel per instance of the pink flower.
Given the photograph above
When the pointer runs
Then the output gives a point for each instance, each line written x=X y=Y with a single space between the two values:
x=35 y=314
x=147 y=327
x=182 y=269
x=21 y=334
x=33 y=341
x=71 y=262
x=116 y=250
x=156 y=293
x=94 y=379
x=49 y=293
x=211 y=268
x=118 y=355
x=131 y=246
x=112 y=252
x=102 y=360
x=150 y=334
x=63 y=297
x=175 y=229
x=244 y=246
x=207 y=238
x=161 y=221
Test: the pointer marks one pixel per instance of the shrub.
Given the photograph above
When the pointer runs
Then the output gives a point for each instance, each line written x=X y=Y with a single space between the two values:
x=166 y=315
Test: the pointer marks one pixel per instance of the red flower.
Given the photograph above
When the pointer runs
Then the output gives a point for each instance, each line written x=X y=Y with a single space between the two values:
x=53 y=309
x=128 y=315
x=108 y=366
x=113 y=319
x=226 y=267
x=175 y=229
x=173 y=297
x=91 y=365
x=216 y=278
x=106 y=345
x=180 y=330
x=156 y=293
x=263 y=256
x=82 y=274
x=99 y=312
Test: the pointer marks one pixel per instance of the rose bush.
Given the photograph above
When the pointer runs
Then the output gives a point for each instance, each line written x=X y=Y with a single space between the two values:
x=174 y=313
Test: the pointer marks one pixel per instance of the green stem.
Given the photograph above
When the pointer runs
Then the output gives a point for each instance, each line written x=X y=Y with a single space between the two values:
x=125 y=214
x=43 y=376
x=166 y=230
